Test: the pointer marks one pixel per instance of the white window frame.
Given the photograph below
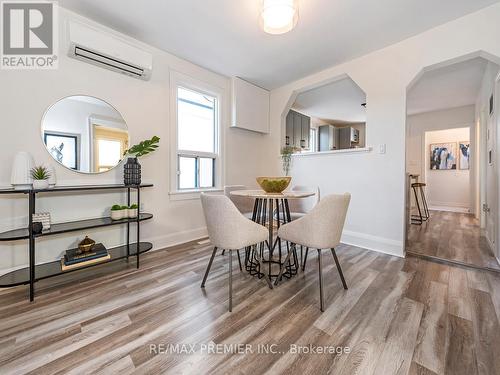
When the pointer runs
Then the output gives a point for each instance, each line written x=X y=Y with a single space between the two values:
x=181 y=80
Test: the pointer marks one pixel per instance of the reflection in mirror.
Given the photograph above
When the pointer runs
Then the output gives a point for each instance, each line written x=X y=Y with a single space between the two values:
x=85 y=134
x=328 y=118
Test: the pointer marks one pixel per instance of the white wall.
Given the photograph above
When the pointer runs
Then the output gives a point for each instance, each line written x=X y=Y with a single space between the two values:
x=460 y=193
x=377 y=181
x=481 y=118
x=24 y=97
x=489 y=86
x=447 y=190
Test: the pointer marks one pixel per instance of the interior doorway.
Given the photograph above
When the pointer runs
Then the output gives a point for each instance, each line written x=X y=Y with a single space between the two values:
x=451 y=164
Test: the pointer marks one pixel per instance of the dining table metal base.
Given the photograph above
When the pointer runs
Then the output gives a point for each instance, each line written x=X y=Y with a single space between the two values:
x=270 y=212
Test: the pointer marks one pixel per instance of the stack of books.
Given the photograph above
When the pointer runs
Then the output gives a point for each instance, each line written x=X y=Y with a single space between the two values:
x=75 y=259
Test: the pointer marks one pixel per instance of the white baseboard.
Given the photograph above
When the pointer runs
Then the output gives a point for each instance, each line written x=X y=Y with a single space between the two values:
x=462 y=210
x=177 y=238
x=374 y=243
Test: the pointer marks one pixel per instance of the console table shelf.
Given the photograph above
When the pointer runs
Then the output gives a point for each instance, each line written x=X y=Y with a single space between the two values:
x=33 y=273
x=63 y=188
x=72 y=226
x=46 y=270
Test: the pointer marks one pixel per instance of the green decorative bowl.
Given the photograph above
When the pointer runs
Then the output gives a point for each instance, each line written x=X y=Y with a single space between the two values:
x=274 y=185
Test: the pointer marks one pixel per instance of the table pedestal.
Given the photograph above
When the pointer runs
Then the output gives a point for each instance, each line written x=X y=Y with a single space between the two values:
x=264 y=211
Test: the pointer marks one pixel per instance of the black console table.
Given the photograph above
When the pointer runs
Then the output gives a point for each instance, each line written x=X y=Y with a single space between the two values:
x=33 y=273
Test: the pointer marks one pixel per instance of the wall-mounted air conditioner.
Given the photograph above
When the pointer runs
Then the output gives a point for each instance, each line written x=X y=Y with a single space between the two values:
x=107 y=51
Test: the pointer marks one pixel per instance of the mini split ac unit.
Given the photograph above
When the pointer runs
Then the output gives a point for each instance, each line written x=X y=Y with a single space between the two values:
x=104 y=50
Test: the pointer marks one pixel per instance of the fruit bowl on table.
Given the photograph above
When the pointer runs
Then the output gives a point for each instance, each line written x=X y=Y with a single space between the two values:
x=274 y=185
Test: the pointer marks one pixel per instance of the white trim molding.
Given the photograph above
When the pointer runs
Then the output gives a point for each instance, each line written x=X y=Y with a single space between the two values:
x=374 y=243
x=335 y=152
x=462 y=210
x=178 y=79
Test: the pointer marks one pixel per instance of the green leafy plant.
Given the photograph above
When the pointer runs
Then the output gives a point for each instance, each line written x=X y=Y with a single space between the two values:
x=143 y=148
x=116 y=207
x=134 y=207
x=124 y=207
x=286 y=158
x=40 y=173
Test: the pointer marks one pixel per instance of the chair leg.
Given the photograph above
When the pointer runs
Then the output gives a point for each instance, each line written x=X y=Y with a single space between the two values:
x=339 y=268
x=321 y=307
x=223 y=251
x=424 y=203
x=208 y=267
x=230 y=280
x=282 y=270
x=305 y=260
x=301 y=255
x=239 y=260
x=417 y=219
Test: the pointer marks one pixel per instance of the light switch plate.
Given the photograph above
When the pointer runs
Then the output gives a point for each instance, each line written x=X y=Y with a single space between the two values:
x=381 y=149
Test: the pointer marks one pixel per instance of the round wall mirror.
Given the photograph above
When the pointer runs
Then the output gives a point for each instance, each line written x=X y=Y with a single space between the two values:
x=85 y=134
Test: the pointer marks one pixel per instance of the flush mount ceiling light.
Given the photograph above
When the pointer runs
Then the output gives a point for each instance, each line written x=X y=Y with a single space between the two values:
x=279 y=16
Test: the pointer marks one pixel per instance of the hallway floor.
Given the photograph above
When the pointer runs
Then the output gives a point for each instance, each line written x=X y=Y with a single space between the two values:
x=452 y=236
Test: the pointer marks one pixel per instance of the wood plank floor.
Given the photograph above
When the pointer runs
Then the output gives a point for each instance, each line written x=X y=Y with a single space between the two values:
x=452 y=236
x=399 y=316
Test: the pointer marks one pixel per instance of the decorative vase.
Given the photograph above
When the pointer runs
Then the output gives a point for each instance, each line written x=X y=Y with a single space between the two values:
x=118 y=214
x=40 y=184
x=132 y=213
x=132 y=172
x=52 y=175
x=37 y=227
x=21 y=171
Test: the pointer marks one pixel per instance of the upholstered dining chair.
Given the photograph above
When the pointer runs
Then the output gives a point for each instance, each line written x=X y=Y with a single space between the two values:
x=319 y=229
x=229 y=230
x=299 y=208
x=243 y=204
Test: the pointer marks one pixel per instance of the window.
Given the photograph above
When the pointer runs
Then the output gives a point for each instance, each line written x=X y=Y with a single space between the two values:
x=197 y=124
x=109 y=146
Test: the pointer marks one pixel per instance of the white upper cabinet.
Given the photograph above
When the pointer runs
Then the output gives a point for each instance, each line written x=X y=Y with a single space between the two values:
x=250 y=106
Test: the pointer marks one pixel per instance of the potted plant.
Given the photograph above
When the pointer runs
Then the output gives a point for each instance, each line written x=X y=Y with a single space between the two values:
x=118 y=213
x=40 y=176
x=286 y=158
x=133 y=211
x=132 y=174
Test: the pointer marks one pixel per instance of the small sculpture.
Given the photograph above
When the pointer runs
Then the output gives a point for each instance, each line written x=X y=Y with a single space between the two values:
x=86 y=245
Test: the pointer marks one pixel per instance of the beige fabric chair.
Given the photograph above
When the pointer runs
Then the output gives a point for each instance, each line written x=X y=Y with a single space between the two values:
x=300 y=207
x=319 y=229
x=229 y=230
x=243 y=204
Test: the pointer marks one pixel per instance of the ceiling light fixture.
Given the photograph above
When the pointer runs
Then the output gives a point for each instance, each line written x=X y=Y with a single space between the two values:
x=279 y=16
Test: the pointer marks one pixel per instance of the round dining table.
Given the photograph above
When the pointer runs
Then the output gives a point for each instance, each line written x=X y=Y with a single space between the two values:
x=270 y=208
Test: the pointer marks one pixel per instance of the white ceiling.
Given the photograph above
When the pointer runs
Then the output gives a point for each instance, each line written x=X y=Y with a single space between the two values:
x=452 y=86
x=338 y=101
x=225 y=36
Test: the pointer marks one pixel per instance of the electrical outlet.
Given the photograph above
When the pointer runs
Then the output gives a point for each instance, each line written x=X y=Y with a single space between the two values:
x=381 y=148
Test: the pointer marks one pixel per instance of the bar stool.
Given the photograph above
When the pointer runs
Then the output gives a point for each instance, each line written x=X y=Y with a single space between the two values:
x=419 y=219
